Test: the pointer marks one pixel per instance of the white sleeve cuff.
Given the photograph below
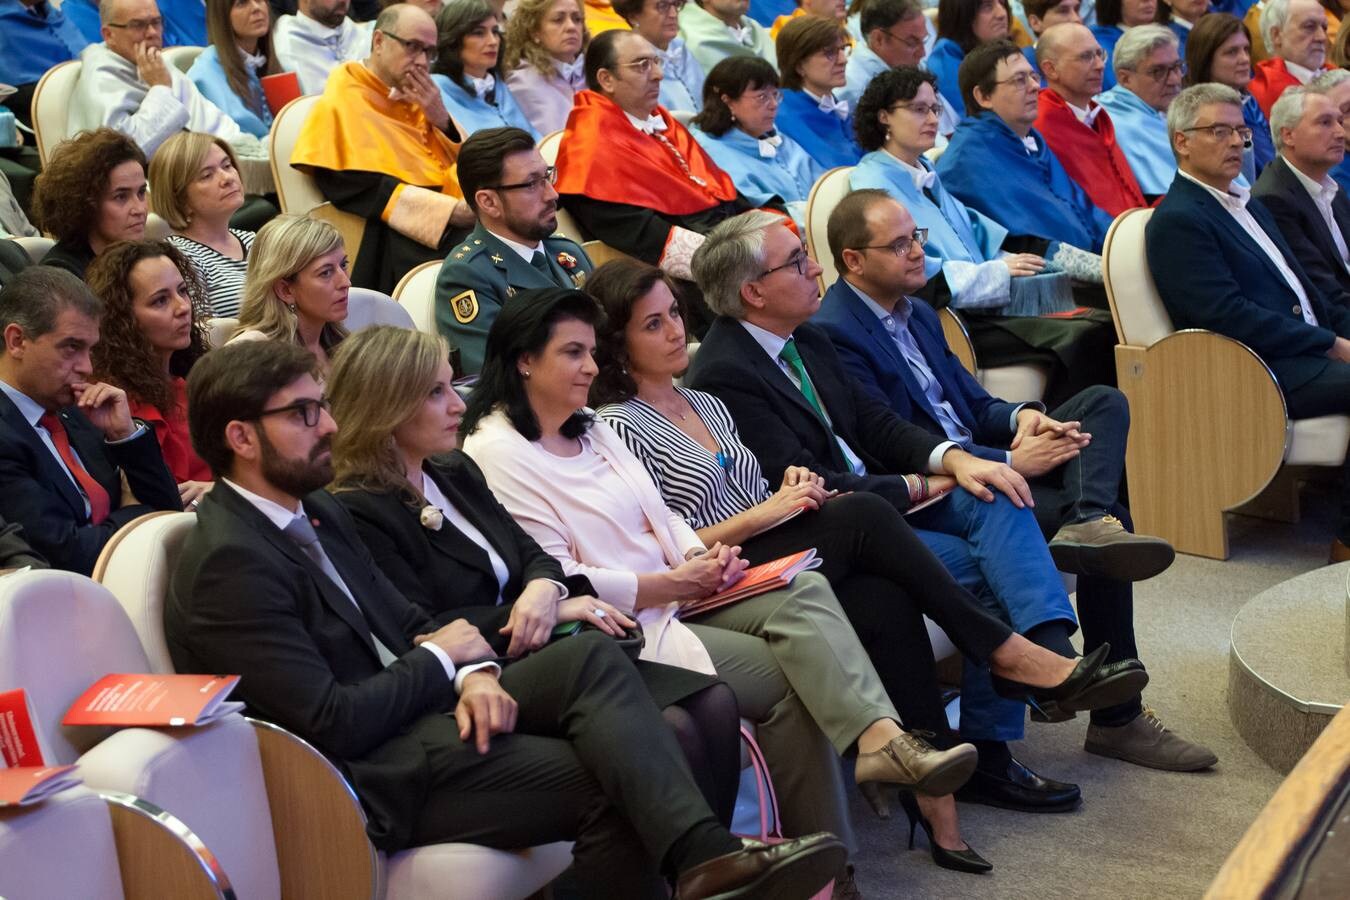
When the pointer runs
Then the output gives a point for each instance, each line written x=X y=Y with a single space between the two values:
x=935 y=458
x=140 y=430
x=457 y=675
x=466 y=671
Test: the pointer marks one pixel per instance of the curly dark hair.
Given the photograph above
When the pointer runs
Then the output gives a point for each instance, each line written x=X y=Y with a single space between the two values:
x=68 y=192
x=884 y=91
x=732 y=76
x=122 y=356
x=617 y=286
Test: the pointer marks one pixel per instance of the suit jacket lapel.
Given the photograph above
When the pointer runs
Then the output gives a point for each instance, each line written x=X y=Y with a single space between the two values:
x=457 y=546
x=1244 y=240
x=877 y=332
x=770 y=371
x=51 y=471
x=1293 y=187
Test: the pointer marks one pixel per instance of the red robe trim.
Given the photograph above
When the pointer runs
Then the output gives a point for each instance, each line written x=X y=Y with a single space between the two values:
x=1270 y=80
x=1091 y=156
x=605 y=158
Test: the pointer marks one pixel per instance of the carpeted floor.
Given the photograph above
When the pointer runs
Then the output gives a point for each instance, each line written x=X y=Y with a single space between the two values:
x=1139 y=833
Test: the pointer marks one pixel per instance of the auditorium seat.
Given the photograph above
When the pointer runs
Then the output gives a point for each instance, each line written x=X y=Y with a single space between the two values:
x=35 y=247
x=416 y=293
x=62 y=847
x=368 y=307
x=1209 y=429
x=221 y=329
x=567 y=226
x=320 y=828
x=297 y=192
x=182 y=58
x=51 y=103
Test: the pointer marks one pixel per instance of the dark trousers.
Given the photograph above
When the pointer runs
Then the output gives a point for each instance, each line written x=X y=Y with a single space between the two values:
x=1088 y=487
x=886 y=580
x=590 y=760
x=1326 y=395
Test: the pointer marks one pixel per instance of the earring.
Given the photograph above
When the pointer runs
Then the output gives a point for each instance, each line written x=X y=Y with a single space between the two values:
x=525 y=373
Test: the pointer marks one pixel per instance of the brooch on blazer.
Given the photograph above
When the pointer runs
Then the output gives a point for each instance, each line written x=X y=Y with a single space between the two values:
x=431 y=518
x=569 y=264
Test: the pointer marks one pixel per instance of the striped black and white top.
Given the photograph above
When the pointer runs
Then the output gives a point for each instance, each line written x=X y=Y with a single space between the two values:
x=224 y=277
x=703 y=488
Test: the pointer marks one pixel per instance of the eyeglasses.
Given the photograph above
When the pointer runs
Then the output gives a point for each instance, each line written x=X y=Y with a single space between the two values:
x=140 y=26
x=415 y=48
x=901 y=245
x=1088 y=57
x=922 y=110
x=308 y=409
x=832 y=53
x=1224 y=133
x=1021 y=80
x=643 y=65
x=795 y=261
x=764 y=98
x=550 y=176
x=1162 y=73
x=913 y=43
x=665 y=6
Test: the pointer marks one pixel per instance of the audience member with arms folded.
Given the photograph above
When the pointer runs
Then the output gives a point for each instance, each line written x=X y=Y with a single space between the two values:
x=546 y=43
x=74 y=465
x=381 y=145
x=90 y=195
x=149 y=338
x=433 y=527
x=196 y=188
x=229 y=72
x=681 y=75
x=812 y=54
x=564 y=744
x=1148 y=77
x=1220 y=50
x=790 y=655
x=466 y=69
x=1251 y=286
x=884 y=576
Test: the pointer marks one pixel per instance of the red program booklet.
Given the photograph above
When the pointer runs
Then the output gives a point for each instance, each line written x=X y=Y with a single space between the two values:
x=26 y=785
x=755 y=581
x=18 y=737
x=154 y=700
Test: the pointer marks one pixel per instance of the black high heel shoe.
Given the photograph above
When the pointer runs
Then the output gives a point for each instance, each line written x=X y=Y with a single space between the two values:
x=1091 y=685
x=966 y=860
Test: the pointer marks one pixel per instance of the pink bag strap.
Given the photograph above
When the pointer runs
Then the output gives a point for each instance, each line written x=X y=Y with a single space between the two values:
x=769 y=824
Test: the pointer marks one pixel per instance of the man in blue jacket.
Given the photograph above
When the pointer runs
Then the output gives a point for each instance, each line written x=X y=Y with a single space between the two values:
x=1221 y=263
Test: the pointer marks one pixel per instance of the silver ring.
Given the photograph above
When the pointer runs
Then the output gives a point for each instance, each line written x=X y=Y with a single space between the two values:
x=598 y=613
x=194 y=503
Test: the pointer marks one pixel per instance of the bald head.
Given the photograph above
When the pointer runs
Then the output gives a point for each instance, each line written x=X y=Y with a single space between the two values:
x=126 y=23
x=404 y=41
x=1072 y=62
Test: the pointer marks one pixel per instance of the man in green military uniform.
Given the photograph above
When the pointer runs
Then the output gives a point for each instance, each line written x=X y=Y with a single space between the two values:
x=512 y=248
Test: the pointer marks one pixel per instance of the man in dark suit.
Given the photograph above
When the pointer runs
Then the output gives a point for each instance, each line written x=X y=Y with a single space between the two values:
x=795 y=405
x=1221 y=263
x=1307 y=205
x=509 y=187
x=565 y=744
x=74 y=465
x=1073 y=458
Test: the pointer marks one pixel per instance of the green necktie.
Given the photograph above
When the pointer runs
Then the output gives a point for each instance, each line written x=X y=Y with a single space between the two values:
x=540 y=262
x=790 y=355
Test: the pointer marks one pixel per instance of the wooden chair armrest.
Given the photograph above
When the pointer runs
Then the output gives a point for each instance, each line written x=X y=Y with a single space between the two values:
x=601 y=253
x=958 y=338
x=159 y=856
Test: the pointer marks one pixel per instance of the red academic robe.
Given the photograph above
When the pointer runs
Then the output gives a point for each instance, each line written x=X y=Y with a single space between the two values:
x=1091 y=156
x=1269 y=81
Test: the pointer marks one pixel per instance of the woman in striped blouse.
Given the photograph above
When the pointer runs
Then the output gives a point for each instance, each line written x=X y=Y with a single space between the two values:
x=886 y=579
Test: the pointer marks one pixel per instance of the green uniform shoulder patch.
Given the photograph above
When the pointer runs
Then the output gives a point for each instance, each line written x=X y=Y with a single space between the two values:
x=465 y=307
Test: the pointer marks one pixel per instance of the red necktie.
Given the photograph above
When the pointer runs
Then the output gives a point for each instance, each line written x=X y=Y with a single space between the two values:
x=98 y=497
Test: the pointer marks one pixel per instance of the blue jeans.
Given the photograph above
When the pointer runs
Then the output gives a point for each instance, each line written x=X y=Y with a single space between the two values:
x=995 y=551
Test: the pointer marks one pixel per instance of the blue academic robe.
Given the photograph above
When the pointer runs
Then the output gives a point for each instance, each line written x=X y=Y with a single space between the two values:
x=766 y=11
x=475 y=114
x=944 y=62
x=825 y=137
x=863 y=66
x=1141 y=133
x=1262 y=151
x=1183 y=34
x=184 y=21
x=32 y=44
x=788 y=175
x=1106 y=36
x=1341 y=174
x=207 y=74
x=987 y=167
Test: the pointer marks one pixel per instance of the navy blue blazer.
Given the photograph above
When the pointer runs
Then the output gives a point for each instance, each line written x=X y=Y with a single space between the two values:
x=1212 y=275
x=870 y=355
x=36 y=492
x=1304 y=229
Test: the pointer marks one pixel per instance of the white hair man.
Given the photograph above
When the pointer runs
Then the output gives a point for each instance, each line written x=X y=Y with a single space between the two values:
x=1295 y=32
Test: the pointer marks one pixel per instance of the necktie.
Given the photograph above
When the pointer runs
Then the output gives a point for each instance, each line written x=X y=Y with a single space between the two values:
x=828 y=104
x=769 y=144
x=99 y=504
x=790 y=355
x=540 y=262
x=307 y=539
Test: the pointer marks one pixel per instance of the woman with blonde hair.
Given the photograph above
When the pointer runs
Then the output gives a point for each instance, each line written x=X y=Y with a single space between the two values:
x=297 y=287
x=196 y=187
x=545 y=59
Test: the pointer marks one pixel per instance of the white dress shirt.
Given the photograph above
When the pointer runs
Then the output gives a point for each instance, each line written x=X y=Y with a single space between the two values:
x=432 y=492
x=1234 y=200
x=311 y=50
x=1322 y=193
x=524 y=251
x=1303 y=75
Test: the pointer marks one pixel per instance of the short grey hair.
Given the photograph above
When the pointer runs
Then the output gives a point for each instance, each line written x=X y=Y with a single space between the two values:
x=1185 y=109
x=1328 y=80
x=731 y=255
x=1273 y=15
x=1288 y=112
x=1138 y=43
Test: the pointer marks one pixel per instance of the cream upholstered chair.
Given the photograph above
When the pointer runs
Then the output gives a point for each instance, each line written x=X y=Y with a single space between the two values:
x=51 y=101
x=1209 y=428
x=320 y=829
x=62 y=847
x=297 y=192
x=35 y=247
x=416 y=293
x=368 y=307
x=182 y=58
x=567 y=226
x=221 y=329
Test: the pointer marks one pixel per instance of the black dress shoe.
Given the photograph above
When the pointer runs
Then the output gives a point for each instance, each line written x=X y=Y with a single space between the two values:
x=1093 y=684
x=1020 y=789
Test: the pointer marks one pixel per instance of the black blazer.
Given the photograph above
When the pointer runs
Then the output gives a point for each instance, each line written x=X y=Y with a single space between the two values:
x=13 y=260
x=782 y=429
x=36 y=492
x=73 y=255
x=245 y=599
x=1304 y=229
x=1211 y=274
x=443 y=571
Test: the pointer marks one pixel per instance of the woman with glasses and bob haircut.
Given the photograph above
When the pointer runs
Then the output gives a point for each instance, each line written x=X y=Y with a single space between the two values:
x=681 y=75
x=962 y=25
x=812 y=56
x=1220 y=50
x=437 y=532
x=297 y=287
x=229 y=72
x=545 y=59
x=736 y=127
x=467 y=69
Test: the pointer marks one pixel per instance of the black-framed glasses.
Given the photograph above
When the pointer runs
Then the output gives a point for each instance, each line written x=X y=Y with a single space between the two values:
x=140 y=26
x=550 y=176
x=1224 y=133
x=1162 y=73
x=901 y=245
x=428 y=52
x=309 y=410
x=795 y=261
x=665 y=6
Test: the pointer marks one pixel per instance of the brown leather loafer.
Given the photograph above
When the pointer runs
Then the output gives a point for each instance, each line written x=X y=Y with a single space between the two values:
x=792 y=870
x=1103 y=547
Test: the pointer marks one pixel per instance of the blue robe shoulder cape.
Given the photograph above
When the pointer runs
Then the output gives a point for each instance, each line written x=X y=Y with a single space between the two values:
x=474 y=113
x=825 y=137
x=1141 y=133
x=944 y=61
x=789 y=175
x=206 y=73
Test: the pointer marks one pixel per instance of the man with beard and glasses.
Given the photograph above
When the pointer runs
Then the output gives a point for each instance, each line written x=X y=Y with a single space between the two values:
x=513 y=248
x=440 y=742
x=317 y=39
